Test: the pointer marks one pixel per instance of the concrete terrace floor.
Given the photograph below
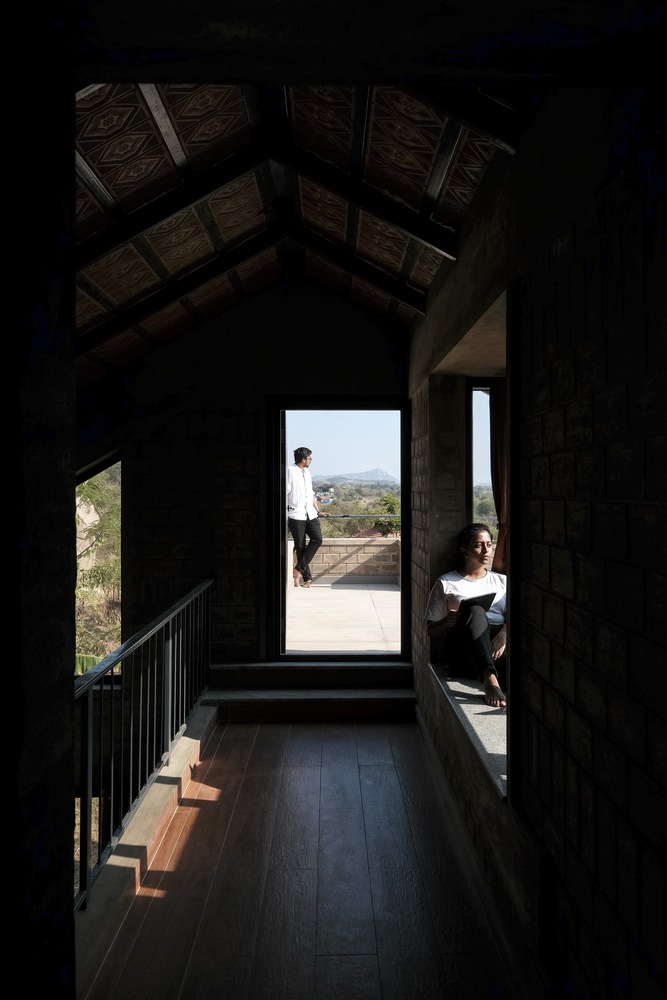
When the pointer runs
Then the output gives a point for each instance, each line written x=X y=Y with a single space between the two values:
x=342 y=617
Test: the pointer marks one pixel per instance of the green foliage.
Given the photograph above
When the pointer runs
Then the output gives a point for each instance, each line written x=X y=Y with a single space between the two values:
x=348 y=501
x=345 y=525
x=98 y=511
x=389 y=525
x=348 y=494
x=100 y=494
x=83 y=662
x=97 y=621
x=483 y=506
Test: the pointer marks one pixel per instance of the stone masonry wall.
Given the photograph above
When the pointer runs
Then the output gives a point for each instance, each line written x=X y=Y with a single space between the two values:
x=420 y=576
x=504 y=851
x=201 y=475
x=587 y=525
x=576 y=854
x=379 y=558
x=439 y=491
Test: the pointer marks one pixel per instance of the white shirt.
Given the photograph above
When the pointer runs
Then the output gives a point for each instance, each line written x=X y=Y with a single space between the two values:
x=456 y=585
x=300 y=494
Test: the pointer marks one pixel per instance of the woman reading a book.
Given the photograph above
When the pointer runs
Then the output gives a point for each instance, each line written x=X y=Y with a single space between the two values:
x=466 y=608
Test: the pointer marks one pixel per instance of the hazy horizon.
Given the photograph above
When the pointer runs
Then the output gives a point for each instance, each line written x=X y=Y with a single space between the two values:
x=370 y=439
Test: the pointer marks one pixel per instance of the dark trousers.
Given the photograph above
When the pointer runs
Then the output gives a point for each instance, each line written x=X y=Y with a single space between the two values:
x=467 y=647
x=307 y=537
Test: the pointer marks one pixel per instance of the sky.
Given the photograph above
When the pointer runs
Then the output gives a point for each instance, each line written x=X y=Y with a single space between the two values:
x=344 y=441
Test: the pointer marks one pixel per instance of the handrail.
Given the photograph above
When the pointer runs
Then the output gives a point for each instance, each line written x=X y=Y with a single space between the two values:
x=84 y=681
x=376 y=517
x=129 y=710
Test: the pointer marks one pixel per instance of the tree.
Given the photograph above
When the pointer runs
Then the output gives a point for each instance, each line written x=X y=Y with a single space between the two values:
x=389 y=525
x=100 y=496
x=343 y=523
x=98 y=519
x=483 y=506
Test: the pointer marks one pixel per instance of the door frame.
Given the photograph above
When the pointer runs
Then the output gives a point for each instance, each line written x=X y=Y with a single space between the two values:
x=277 y=597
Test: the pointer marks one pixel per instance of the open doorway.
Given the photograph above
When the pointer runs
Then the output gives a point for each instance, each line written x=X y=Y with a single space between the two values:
x=352 y=603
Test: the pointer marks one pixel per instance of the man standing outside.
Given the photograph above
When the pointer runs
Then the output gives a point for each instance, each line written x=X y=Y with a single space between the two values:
x=303 y=515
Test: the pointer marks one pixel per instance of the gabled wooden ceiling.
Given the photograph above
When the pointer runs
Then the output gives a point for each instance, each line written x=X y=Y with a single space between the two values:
x=192 y=196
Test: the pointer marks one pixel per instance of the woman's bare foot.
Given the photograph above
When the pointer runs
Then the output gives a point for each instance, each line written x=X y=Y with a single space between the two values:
x=298 y=576
x=493 y=694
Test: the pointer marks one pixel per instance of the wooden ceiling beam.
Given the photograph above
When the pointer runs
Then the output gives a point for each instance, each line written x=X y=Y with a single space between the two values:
x=369 y=199
x=228 y=262
x=196 y=189
x=351 y=264
x=494 y=119
x=178 y=289
x=255 y=155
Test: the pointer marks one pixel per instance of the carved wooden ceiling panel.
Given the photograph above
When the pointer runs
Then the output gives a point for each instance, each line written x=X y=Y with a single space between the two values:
x=210 y=122
x=322 y=121
x=403 y=144
x=191 y=196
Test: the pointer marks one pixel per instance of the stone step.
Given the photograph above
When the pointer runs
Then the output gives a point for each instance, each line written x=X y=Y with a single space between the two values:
x=311 y=675
x=311 y=704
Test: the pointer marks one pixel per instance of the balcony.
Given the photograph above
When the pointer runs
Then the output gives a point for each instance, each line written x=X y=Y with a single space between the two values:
x=347 y=618
x=354 y=604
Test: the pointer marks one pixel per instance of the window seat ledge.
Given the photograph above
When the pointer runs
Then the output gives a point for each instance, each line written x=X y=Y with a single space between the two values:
x=485 y=726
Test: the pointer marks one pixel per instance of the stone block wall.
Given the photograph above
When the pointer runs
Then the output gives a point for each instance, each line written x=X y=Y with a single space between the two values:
x=439 y=496
x=420 y=553
x=576 y=854
x=505 y=852
x=201 y=475
x=587 y=528
x=350 y=558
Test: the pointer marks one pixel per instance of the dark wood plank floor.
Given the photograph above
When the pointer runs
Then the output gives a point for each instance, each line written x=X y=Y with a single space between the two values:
x=309 y=862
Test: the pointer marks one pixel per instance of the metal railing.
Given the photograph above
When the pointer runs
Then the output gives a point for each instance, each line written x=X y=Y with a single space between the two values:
x=129 y=710
x=395 y=519
x=376 y=517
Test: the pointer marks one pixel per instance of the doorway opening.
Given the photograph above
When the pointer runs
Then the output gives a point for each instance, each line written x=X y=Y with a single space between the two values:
x=349 y=604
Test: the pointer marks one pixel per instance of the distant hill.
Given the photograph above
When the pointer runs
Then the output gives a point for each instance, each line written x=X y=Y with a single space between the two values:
x=355 y=478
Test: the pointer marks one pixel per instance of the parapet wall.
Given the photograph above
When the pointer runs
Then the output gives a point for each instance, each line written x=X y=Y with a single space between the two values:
x=358 y=557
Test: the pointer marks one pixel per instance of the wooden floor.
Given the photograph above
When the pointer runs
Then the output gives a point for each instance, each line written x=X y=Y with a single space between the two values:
x=309 y=862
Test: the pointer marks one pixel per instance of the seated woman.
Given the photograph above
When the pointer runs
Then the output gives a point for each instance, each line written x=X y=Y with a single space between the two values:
x=473 y=636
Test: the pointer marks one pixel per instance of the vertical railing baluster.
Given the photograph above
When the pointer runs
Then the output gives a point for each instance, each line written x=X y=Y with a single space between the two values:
x=167 y=685
x=86 y=794
x=130 y=719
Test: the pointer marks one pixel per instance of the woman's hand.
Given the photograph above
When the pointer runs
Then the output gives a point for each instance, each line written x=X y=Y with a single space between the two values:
x=498 y=644
x=442 y=625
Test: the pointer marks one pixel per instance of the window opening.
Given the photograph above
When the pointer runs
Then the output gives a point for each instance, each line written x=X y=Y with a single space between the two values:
x=352 y=602
x=98 y=583
x=487 y=729
x=483 y=504
x=97 y=602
